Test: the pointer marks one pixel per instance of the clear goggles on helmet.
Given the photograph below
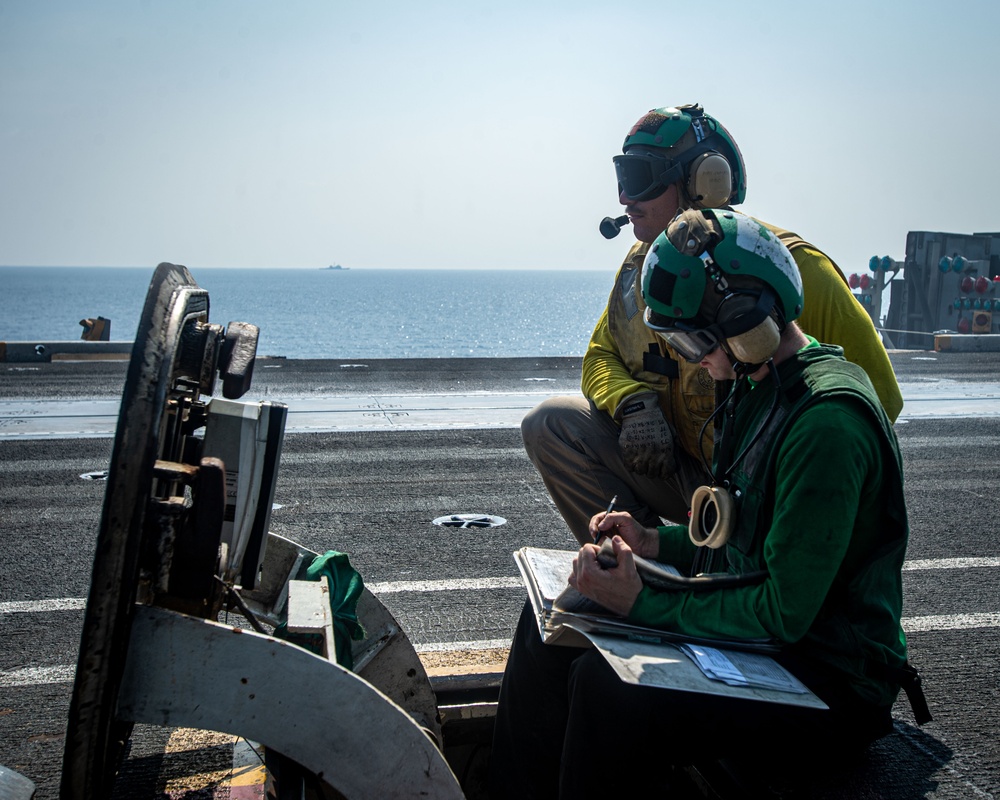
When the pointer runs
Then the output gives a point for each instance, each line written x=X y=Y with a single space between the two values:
x=695 y=339
x=645 y=176
x=692 y=344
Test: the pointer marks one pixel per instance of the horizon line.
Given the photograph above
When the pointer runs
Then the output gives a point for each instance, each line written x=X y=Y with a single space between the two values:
x=320 y=269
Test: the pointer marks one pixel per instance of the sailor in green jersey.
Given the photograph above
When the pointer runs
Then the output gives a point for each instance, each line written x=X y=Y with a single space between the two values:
x=634 y=431
x=804 y=516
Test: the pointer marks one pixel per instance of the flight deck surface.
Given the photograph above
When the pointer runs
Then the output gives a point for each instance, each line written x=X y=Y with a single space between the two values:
x=373 y=486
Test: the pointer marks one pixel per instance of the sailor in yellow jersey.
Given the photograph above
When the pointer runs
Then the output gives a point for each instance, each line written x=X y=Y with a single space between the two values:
x=641 y=431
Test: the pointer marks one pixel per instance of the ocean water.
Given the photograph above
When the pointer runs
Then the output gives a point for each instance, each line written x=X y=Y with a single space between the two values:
x=319 y=313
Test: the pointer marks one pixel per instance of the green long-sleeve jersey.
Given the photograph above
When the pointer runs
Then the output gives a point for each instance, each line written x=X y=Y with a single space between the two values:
x=820 y=508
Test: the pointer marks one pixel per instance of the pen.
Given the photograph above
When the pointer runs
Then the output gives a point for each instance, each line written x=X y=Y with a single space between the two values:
x=611 y=507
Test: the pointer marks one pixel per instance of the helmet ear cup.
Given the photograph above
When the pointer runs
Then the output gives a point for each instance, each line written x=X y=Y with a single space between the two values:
x=710 y=180
x=712 y=517
x=757 y=345
x=754 y=346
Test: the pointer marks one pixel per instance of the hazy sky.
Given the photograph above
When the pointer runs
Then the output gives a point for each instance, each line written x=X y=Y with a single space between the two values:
x=245 y=133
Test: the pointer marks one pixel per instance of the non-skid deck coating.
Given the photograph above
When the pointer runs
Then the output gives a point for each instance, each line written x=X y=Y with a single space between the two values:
x=374 y=490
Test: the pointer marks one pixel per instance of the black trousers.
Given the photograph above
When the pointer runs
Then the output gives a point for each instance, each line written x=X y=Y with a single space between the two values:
x=568 y=727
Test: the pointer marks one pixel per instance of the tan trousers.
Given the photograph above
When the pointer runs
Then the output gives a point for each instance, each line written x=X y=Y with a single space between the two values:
x=574 y=447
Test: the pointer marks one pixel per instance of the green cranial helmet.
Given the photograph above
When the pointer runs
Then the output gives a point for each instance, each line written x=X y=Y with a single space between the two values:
x=686 y=133
x=733 y=253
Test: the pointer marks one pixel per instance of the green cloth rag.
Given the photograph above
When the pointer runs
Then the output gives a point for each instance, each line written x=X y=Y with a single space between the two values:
x=346 y=585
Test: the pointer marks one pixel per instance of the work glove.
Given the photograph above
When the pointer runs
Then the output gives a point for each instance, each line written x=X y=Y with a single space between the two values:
x=693 y=232
x=646 y=441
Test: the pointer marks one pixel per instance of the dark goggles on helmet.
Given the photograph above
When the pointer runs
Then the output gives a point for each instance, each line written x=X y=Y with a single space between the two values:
x=645 y=176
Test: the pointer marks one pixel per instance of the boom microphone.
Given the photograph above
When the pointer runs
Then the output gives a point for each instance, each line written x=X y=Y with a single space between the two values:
x=610 y=227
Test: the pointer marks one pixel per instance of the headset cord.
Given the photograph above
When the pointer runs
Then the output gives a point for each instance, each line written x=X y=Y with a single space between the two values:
x=704 y=557
x=726 y=441
x=703 y=560
x=727 y=403
x=775 y=403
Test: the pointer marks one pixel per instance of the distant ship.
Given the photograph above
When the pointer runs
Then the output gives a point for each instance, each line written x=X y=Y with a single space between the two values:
x=336 y=266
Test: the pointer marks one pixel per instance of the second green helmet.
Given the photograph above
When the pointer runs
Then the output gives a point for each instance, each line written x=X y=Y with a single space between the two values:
x=714 y=245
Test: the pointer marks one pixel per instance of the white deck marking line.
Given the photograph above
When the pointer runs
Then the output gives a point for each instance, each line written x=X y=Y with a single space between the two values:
x=934 y=622
x=950 y=622
x=461 y=647
x=37 y=676
x=454 y=585
x=464 y=584
x=36 y=606
x=950 y=563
